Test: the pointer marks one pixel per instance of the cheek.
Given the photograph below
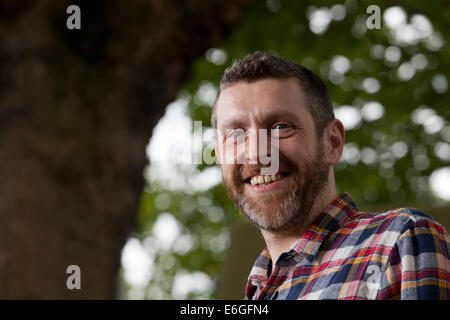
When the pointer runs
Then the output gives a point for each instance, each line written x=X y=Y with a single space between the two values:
x=229 y=153
x=228 y=170
x=294 y=152
x=303 y=146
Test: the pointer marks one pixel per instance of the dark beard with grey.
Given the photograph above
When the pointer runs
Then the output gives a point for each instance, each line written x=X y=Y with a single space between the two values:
x=282 y=211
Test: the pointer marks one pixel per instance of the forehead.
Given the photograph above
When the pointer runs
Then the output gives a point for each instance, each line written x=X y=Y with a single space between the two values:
x=261 y=99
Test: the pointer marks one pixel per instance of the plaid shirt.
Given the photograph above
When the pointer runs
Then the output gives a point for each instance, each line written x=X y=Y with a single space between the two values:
x=347 y=254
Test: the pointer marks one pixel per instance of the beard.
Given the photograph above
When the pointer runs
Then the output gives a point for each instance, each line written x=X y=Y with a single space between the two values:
x=284 y=210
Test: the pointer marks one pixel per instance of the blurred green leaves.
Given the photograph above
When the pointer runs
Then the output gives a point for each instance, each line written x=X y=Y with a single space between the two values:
x=387 y=158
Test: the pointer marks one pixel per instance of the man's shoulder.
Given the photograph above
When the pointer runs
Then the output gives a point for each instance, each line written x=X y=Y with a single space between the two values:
x=399 y=220
x=382 y=231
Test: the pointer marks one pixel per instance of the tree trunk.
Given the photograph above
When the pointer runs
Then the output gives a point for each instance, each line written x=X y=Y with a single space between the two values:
x=77 y=108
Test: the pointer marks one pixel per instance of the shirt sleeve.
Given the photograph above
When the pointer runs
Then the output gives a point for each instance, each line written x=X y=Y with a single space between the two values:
x=418 y=266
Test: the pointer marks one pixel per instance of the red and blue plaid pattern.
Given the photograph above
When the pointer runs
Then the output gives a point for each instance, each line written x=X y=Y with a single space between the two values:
x=347 y=254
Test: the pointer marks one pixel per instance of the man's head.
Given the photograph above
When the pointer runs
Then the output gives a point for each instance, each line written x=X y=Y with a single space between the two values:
x=261 y=65
x=262 y=91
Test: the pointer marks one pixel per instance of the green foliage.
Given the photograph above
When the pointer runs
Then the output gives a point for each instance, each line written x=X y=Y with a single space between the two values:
x=283 y=27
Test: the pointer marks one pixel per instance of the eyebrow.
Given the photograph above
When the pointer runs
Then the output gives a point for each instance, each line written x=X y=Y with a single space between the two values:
x=268 y=117
x=233 y=123
x=281 y=114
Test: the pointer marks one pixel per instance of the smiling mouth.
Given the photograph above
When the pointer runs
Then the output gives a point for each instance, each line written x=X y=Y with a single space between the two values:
x=262 y=180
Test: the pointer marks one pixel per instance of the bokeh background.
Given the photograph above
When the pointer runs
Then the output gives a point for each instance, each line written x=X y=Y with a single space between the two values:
x=97 y=133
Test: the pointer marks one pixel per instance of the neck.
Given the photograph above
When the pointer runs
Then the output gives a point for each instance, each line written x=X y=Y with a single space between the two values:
x=279 y=242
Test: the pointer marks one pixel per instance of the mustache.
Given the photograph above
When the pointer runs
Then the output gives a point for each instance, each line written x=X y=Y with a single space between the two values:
x=245 y=171
x=250 y=171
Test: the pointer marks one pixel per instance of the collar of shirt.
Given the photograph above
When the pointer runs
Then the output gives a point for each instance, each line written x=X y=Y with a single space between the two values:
x=309 y=241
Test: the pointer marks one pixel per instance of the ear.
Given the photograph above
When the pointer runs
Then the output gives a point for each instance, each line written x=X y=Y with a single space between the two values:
x=334 y=135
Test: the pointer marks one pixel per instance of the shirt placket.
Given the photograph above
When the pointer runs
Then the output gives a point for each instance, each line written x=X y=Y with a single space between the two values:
x=278 y=276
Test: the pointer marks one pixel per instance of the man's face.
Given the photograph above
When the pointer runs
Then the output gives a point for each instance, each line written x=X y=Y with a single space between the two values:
x=283 y=204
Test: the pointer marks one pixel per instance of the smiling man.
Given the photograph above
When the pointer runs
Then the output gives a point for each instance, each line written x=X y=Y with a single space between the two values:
x=319 y=246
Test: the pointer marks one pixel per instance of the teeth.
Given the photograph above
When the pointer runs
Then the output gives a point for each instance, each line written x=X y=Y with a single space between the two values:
x=264 y=179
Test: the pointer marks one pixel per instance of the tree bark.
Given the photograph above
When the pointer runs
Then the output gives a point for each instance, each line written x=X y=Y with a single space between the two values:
x=77 y=108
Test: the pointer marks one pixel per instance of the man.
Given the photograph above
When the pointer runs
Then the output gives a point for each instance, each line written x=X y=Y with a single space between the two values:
x=319 y=246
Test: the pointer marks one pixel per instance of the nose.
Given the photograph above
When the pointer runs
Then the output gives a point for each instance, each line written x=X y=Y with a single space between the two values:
x=257 y=146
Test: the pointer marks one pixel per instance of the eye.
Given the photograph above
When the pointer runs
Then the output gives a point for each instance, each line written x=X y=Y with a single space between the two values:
x=281 y=126
x=235 y=133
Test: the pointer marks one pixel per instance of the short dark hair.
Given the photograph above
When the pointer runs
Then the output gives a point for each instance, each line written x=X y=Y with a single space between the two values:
x=262 y=65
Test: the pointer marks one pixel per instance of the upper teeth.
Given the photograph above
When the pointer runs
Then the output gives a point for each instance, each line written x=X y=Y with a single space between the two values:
x=264 y=179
